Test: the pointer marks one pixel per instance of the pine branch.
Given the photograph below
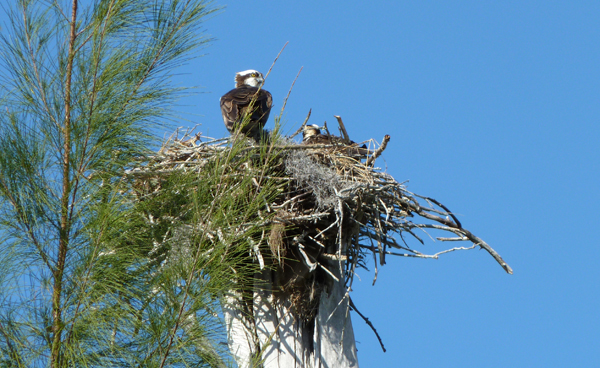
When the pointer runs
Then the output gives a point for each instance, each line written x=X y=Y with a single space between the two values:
x=65 y=220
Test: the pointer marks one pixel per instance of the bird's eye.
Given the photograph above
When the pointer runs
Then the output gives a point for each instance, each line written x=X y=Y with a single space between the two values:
x=254 y=75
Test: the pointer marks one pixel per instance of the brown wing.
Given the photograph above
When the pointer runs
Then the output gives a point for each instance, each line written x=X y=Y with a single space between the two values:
x=352 y=149
x=235 y=105
x=266 y=102
x=317 y=139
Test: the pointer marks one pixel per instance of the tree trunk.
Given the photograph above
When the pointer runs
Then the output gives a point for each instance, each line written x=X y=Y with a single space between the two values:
x=274 y=337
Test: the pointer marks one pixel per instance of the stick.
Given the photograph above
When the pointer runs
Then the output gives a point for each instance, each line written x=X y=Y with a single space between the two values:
x=368 y=322
x=328 y=272
x=325 y=127
x=447 y=211
x=302 y=126
x=274 y=61
x=464 y=232
x=342 y=129
x=378 y=151
x=290 y=91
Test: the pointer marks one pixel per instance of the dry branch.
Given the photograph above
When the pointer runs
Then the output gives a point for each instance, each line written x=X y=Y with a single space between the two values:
x=345 y=135
x=353 y=306
x=301 y=126
x=378 y=151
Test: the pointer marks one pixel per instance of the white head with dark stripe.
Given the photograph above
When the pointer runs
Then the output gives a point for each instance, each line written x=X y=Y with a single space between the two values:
x=250 y=78
x=311 y=130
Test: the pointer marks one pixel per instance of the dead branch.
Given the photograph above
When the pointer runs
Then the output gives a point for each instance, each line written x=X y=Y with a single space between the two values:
x=290 y=91
x=343 y=129
x=275 y=61
x=353 y=306
x=378 y=151
x=302 y=126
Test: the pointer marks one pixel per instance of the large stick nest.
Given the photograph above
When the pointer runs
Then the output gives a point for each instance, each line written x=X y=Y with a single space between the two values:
x=336 y=210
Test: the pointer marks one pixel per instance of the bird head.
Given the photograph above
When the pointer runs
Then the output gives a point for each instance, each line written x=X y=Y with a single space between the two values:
x=311 y=130
x=250 y=78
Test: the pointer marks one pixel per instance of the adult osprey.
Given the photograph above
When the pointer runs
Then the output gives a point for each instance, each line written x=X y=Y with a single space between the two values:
x=246 y=108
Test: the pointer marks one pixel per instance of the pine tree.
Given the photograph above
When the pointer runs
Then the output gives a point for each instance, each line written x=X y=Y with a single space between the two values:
x=85 y=278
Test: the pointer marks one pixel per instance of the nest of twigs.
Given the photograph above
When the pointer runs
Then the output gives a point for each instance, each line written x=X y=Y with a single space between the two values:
x=335 y=211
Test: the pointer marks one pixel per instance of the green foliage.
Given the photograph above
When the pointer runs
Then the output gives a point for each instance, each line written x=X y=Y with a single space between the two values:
x=94 y=270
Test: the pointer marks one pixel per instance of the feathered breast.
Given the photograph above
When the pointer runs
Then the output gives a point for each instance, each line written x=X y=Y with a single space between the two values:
x=246 y=101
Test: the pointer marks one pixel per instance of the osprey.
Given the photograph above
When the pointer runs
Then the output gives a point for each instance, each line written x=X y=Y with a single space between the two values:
x=311 y=134
x=246 y=108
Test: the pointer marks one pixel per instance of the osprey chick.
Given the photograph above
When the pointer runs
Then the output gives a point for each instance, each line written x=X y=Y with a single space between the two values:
x=246 y=108
x=311 y=134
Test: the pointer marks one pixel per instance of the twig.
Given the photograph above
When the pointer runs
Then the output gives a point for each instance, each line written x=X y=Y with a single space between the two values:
x=329 y=227
x=318 y=242
x=378 y=151
x=462 y=238
x=452 y=250
x=342 y=129
x=489 y=249
x=376 y=273
x=333 y=257
x=325 y=127
x=290 y=91
x=302 y=126
x=450 y=226
x=353 y=306
x=293 y=199
x=458 y=224
x=314 y=216
x=328 y=272
x=416 y=255
x=346 y=295
x=274 y=61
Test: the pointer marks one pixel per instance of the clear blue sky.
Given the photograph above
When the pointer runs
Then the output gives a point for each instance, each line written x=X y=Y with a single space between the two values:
x=494 y=109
